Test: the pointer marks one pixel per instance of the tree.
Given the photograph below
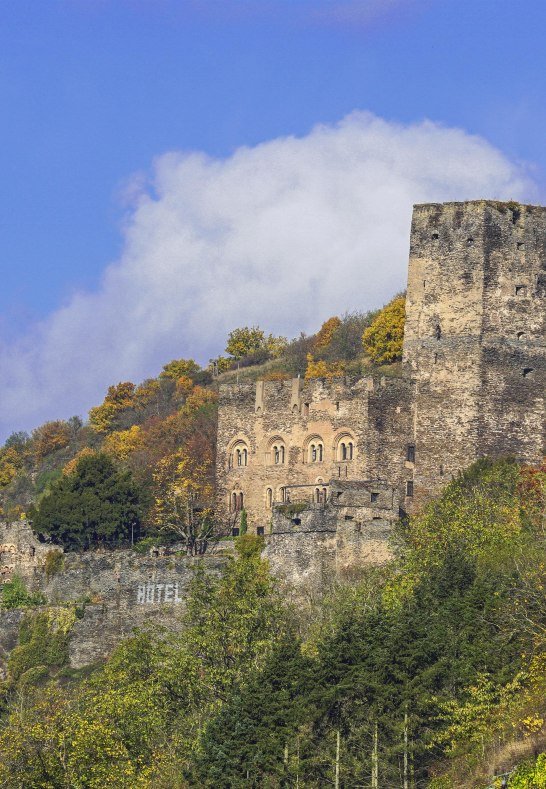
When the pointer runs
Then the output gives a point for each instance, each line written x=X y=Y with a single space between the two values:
x=244 y=341
x=50 y=437
x=121 y=443
x=184 y=498
x=96 y=504
x=326 y=332
x=321 y=369
x=118 y=399
x=179 y=367
x=383 y=340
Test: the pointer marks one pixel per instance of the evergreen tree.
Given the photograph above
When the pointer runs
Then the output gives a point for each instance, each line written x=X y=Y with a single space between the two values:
x=96 y=504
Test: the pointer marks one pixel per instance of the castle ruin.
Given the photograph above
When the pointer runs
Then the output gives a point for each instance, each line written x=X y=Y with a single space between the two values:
x=326 y=466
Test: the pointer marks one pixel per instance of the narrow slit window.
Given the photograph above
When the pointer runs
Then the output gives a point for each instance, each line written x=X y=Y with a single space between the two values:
x=409 y=488
x=410 y=453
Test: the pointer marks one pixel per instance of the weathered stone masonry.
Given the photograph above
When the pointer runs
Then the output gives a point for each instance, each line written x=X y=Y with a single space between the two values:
x=473 y=384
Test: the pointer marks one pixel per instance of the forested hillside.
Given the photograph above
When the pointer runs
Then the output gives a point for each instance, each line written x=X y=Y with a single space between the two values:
x=429 y=672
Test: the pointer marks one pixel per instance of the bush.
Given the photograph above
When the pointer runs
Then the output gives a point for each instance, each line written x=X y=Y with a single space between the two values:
x=15 y=595
x=43 y=642
x=54 y=562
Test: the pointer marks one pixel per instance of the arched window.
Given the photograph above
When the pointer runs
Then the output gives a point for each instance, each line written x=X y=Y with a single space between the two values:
x=313 y=450
x=316 y=452
x=324 y=495
x=275 y=453
x=269 y=498
x=344 y=447
x=236 y=501
x=317 y=495
x=238 y=455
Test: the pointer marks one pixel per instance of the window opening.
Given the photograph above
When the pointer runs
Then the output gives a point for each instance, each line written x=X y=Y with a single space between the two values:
x=409 y=488
x=374 y=496
x=410 y=453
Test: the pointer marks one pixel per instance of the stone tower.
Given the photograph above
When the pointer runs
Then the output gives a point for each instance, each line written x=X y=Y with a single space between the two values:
x=474 y=344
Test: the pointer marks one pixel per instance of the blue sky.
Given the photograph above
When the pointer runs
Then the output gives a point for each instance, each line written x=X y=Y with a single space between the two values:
x=94 y=93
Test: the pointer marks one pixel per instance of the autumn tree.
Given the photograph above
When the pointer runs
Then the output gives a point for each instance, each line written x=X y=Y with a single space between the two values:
x=322 y=369
x=121 y=443
x=324 y=336
x=383 y=340
x=244 y=341
x=118 y=398
x=176 y=368
x=250 y=340
x=50 y=437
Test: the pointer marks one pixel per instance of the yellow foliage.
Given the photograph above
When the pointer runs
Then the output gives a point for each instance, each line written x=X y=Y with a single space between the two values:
x=70 y=467
x=326 y=332
x=198 y=398
x=384 y=338
x=146 y=392
x=10 y=463
x=321 y=369
x=179 y=367
x=121 y=443
x=118 y=398
x=184 y=385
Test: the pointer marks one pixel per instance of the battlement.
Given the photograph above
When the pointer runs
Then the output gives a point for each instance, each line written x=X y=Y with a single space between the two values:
x=472 y=380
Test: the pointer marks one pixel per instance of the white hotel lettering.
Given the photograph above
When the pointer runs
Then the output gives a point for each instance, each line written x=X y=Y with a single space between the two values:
x=158 y=593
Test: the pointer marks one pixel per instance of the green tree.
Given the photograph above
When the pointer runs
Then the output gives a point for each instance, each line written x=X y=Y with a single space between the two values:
x=95 y=504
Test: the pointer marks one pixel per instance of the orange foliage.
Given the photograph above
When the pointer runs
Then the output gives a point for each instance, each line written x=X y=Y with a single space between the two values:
x=50 y=437
x=326 y=332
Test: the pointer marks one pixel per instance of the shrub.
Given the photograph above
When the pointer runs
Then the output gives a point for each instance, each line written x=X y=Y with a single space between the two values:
x=54 y=562
x=15 y=595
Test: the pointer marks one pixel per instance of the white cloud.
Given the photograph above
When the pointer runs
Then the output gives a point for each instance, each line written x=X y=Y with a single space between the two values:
x=282 y=235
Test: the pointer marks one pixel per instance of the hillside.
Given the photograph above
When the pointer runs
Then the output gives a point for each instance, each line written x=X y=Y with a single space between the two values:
x=425 y=671
x=162 y=432
x=428 y=672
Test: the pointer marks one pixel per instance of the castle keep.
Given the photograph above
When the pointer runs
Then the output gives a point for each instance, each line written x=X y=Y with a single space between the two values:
x=472 y=385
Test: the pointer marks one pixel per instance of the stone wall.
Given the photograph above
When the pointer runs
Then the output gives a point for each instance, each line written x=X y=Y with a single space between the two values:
x=116 y=590
x=311 y=548
x=300 y=435
x=474 y=343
